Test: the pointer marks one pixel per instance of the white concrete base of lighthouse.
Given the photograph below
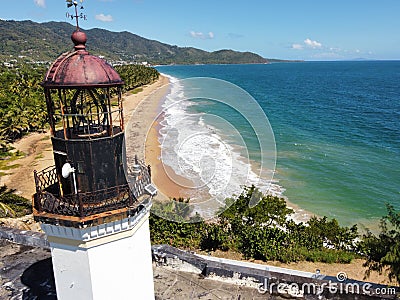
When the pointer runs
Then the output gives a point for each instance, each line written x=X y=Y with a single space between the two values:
x=109 y=261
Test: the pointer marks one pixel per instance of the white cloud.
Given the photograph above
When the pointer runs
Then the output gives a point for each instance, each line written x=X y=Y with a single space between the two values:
x=104 y=18
x=312 y=44
x=196 y=34
x=203 y=36
x=297 y=47
x=317 y=51
x=307 y=43
x=40 y=3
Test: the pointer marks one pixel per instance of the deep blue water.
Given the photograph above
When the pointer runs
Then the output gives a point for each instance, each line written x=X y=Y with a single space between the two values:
x=336 y=127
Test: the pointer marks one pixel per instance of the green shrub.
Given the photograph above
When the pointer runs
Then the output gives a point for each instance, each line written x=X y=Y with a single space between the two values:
x=263 y=232
x=383 y=250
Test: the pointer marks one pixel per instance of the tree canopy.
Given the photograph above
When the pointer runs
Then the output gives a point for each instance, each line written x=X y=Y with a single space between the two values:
x=383 y=250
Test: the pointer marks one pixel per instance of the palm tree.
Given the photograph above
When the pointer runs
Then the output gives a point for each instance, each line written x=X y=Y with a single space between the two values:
x=22 y=105
x=5 y=209
x=3 y=144
x=13 y=205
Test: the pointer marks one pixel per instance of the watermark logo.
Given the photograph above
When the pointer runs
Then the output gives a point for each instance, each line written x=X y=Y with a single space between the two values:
x=342 y=286
x=341 y=276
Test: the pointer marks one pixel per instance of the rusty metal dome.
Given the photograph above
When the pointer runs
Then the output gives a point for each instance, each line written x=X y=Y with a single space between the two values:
x=80 y=69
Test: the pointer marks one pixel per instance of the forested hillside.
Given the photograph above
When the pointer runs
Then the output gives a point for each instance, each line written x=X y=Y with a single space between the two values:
x=45 y=41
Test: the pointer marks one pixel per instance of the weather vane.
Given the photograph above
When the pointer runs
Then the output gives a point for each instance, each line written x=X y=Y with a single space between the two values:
x=76 y=16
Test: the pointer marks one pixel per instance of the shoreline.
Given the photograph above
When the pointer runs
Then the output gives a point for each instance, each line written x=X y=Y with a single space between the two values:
x=169 y=184
x=143 y=139
x=147 y=114
x=163 y=176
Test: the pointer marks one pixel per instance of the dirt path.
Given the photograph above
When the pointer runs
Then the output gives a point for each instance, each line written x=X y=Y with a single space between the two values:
x=38 y=155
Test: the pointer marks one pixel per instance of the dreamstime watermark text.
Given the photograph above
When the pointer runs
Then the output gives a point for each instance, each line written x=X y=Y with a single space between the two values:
x=340 y=286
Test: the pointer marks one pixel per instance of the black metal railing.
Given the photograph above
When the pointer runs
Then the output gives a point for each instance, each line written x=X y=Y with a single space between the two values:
x=139 y=181
x=45 y=178
x=85 y=204
x=48 y=198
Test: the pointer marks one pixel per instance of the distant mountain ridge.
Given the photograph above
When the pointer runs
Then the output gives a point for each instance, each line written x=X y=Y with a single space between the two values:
x=45 y=41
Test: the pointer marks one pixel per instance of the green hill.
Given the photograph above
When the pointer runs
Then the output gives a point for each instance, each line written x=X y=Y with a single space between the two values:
x=45 y=41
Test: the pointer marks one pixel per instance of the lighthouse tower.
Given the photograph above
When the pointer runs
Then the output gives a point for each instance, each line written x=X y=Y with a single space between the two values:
x=95 y=215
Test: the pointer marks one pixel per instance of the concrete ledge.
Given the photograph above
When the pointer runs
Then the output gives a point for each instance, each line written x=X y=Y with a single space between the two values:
x=316 y=286
x=24 y=237
x=231 y=271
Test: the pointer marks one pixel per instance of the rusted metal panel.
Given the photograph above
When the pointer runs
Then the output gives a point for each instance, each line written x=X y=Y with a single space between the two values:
x=80 y=69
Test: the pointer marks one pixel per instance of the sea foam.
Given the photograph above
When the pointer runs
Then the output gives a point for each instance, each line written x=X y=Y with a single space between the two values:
x=196 y=145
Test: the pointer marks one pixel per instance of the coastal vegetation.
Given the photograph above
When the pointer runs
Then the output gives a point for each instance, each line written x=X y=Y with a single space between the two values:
x=266 y=232
x=33 y=41
x=136 y=76
x=22 y=104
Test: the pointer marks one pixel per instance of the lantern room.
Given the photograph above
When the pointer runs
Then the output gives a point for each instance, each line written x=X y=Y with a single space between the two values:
x=83 y=96
x=84 y=102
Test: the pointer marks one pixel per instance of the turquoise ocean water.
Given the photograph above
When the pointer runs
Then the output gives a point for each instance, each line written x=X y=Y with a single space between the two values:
x=336 y=127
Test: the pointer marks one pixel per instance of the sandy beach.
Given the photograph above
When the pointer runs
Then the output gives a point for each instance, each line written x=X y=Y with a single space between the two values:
x=142 y=138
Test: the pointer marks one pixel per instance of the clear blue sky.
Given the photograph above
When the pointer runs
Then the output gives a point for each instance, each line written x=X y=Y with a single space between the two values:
x=287 y=29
